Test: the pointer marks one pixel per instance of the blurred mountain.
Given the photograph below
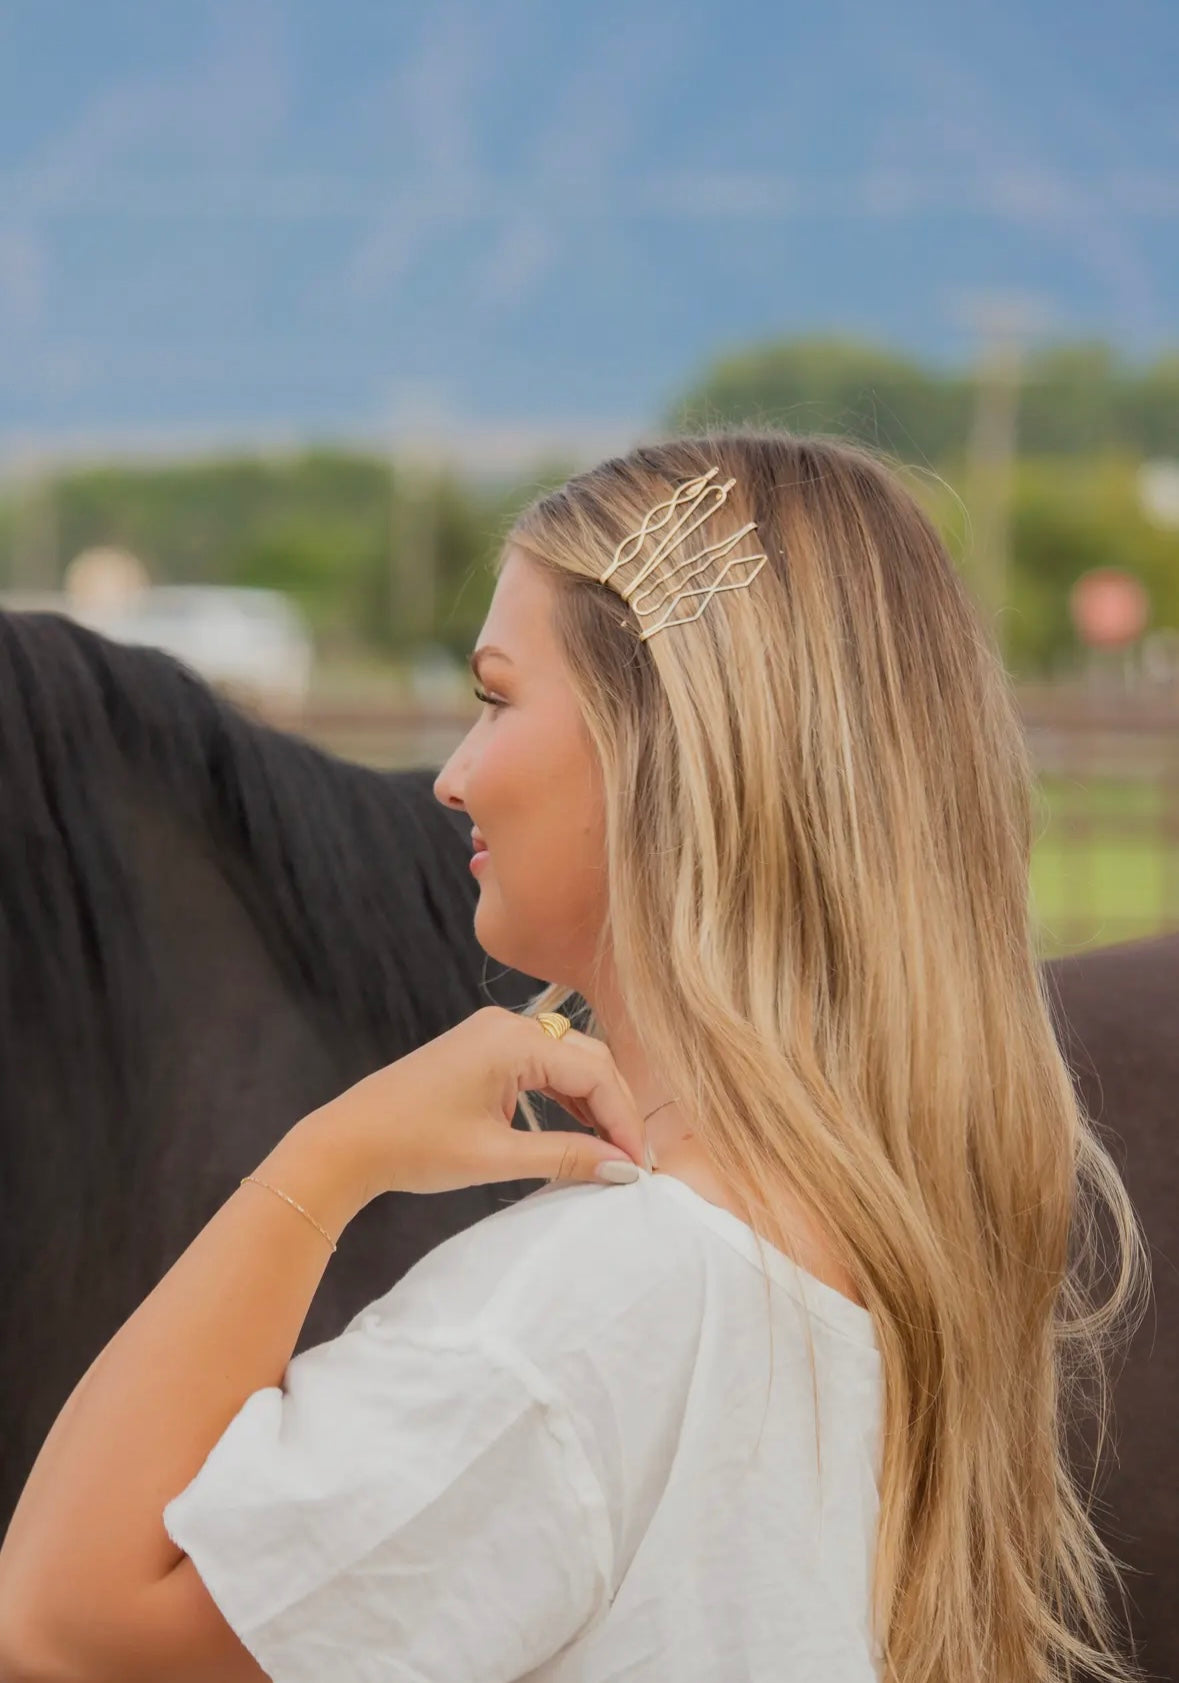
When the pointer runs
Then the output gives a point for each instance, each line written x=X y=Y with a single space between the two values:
x=376 y=218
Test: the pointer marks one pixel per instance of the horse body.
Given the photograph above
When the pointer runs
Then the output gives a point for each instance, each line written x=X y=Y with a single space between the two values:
x=1116 y=1012
x=207 y=929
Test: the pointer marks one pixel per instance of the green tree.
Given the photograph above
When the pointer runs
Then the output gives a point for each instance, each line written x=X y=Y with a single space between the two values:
x=1075 y=398
x=834 y=386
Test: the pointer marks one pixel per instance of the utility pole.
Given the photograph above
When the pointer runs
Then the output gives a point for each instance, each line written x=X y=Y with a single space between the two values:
x=1004 y=323
x=416 y=459
x=415 y=548
x=34 y=559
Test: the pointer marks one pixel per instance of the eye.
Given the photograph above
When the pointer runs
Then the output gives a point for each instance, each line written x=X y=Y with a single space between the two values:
x=488 y=700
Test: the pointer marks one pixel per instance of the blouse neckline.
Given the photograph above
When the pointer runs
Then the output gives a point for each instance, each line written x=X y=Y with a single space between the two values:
x=815 y=1295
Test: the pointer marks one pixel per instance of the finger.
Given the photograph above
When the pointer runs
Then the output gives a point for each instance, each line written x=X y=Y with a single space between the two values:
x=560 y=1155
x=572 y=1106
x=579 y=1068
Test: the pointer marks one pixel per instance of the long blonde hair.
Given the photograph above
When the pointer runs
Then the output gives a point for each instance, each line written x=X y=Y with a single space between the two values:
x=818 y=807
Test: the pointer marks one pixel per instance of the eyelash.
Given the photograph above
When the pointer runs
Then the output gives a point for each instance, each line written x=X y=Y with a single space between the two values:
x=481 y=695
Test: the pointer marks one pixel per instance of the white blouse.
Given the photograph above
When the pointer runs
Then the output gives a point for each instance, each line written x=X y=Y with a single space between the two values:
x=558 y=1449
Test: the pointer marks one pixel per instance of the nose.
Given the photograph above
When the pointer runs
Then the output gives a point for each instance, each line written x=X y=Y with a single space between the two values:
x=445 y=788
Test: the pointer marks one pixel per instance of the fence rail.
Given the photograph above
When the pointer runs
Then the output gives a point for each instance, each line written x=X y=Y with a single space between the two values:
x=1106 y=865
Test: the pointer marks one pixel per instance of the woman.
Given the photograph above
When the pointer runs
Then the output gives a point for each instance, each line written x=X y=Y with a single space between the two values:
x=749 y=785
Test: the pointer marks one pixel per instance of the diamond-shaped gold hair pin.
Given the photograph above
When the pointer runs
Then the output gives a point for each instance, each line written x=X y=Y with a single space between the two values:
x=688 y=507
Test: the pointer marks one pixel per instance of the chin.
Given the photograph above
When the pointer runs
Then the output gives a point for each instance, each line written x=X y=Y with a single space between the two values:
x=490 y=935
x=506 y=938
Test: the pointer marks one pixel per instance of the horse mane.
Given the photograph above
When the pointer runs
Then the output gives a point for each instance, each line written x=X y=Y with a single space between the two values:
x=356 y=880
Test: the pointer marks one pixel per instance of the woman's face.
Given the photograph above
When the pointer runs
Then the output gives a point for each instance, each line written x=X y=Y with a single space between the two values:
x=526 y=777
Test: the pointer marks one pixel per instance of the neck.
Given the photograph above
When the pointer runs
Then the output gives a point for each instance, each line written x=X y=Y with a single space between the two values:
x=665 y=1125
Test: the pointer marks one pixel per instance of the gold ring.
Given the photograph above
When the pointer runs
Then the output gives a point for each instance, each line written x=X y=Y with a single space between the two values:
x=554 y=1024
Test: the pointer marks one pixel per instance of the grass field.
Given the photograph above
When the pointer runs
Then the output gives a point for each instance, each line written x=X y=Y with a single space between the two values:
x=1103 y=869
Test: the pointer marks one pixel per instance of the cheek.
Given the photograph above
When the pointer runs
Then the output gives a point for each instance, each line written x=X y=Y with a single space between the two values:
x=548 y=857
x=527 y=784
x=539 y=911
x=542 y=892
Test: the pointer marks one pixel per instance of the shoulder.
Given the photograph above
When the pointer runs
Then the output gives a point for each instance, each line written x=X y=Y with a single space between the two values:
x=579 y=1253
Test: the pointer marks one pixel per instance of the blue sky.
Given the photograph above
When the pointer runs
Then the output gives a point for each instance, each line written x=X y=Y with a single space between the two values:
x=333 y=219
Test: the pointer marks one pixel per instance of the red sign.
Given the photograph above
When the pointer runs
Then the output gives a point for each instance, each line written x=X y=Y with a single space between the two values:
x=1109 y=608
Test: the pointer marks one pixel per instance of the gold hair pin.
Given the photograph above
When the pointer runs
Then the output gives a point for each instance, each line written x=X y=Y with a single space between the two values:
x=688 y=507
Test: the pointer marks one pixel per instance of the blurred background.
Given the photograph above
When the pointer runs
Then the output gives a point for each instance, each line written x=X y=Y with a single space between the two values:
x=299 y=304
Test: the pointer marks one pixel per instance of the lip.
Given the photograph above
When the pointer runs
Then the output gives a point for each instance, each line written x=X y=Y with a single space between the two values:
x=478 y=860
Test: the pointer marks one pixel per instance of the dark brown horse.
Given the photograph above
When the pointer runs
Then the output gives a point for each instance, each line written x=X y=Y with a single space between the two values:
x=1116 y=1012
x=207 y=928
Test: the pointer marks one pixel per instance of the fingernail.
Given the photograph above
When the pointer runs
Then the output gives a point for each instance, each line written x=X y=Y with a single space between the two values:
x=616 y=1171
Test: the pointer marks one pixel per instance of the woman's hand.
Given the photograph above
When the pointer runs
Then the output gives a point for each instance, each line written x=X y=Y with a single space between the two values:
x=441 y=1117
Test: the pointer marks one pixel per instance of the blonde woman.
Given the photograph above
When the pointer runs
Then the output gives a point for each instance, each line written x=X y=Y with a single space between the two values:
x=788 y=1400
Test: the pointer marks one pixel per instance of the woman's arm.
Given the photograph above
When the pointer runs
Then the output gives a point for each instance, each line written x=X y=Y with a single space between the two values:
x=87 y=1542
x=87 y=1565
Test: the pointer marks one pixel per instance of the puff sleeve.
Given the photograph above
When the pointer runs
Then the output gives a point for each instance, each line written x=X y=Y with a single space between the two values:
x=413 y=1505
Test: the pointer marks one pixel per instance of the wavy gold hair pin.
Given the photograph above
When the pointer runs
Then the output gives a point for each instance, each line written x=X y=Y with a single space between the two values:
x=683 y=513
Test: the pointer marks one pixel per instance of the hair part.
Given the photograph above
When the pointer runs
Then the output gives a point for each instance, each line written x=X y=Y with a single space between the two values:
x=818 y=807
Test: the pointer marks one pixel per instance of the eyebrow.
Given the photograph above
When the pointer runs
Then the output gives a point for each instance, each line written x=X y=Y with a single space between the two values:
x=487 y=649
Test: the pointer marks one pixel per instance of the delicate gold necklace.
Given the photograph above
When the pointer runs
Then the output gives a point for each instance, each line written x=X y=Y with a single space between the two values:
x=646 y=1144
x=658 y=1107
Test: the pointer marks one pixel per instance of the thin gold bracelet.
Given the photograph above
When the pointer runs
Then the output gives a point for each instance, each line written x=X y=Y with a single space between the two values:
x=292 y=1203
